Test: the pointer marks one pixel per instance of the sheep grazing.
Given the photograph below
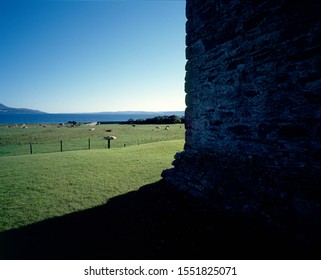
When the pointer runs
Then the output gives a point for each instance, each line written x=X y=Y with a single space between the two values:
x=92 y=124
x=91 y=129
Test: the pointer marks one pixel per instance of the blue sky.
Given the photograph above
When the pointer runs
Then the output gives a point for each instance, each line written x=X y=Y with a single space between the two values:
x=92 y=56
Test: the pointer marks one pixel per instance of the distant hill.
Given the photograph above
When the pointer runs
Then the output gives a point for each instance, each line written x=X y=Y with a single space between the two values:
x=9 y=110
x=169 y=113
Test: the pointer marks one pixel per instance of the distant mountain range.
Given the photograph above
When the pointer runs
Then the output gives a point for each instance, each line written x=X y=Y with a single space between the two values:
x=179 y=113
x=9 y=110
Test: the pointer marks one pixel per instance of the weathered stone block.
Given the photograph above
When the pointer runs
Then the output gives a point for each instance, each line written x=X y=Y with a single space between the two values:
x=253 y=84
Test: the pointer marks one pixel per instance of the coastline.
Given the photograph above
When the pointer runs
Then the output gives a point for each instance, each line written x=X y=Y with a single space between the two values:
x=108 y=118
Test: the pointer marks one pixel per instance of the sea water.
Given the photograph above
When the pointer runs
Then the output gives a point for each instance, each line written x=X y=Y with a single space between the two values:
x=12 y=119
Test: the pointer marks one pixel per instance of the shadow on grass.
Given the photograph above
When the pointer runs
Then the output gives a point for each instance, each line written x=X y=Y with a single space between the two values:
x=155 y=222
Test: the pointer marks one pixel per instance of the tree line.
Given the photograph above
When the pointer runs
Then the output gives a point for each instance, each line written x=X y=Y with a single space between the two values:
x=158 y=120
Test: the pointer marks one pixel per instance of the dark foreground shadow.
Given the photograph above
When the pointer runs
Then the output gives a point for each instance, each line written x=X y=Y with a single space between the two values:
x=155 y=222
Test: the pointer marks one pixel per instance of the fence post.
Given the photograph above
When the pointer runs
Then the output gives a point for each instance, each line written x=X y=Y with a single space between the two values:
x=60 y=145
x=30 y=148
x=89 y=144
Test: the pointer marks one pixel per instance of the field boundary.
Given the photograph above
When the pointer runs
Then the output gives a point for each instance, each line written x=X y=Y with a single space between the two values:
x=35 y=139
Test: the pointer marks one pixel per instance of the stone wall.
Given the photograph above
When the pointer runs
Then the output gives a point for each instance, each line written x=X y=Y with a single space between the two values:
x=253 y=116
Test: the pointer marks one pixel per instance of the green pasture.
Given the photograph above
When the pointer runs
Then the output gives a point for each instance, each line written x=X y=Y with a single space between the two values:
x=16 y=140
x=44 y=185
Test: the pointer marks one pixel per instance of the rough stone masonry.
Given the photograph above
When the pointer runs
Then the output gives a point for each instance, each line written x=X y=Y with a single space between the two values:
x=253 y=116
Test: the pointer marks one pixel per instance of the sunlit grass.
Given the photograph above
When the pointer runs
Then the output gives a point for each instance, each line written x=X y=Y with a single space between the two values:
x=16 y=140
x=39 y=186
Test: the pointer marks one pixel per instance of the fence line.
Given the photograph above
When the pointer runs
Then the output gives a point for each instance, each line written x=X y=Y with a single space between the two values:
x=64 y=145
x=49 y=147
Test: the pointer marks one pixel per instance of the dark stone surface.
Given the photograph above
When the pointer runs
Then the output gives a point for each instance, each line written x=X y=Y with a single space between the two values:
x=253 y=87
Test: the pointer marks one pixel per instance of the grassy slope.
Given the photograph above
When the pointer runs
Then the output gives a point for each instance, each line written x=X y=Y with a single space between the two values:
x=15 y=140
x=40 y=186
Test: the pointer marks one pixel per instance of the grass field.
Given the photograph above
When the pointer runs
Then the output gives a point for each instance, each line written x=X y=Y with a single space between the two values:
x=39 y=186
x=16 y=141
